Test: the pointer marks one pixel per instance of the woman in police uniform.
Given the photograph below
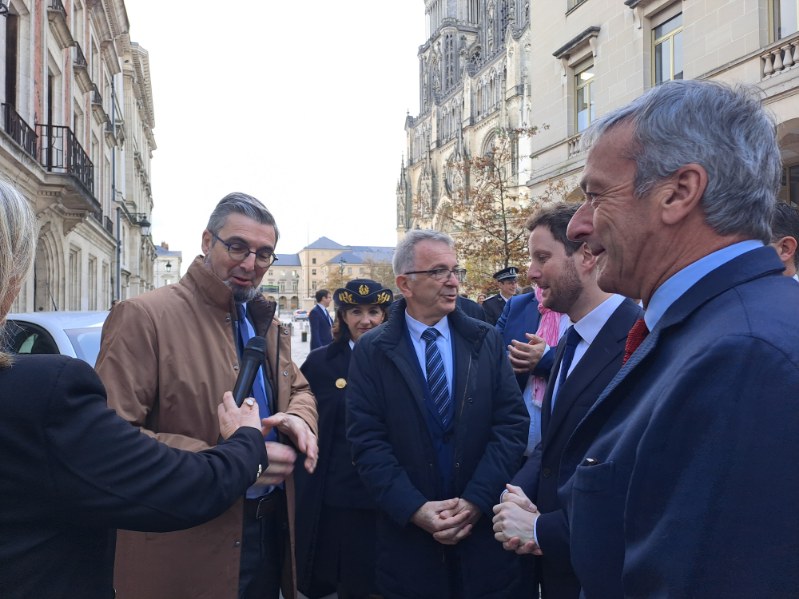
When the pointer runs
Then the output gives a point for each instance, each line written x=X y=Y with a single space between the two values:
x=335 y=520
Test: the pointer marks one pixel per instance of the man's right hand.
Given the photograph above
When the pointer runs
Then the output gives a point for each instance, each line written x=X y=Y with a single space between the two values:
x=524 y=357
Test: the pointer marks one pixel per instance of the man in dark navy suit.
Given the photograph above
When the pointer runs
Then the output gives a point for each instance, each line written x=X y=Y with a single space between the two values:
x=683 y=483
x=321 y=323
x=506 y=281
x=587 y=357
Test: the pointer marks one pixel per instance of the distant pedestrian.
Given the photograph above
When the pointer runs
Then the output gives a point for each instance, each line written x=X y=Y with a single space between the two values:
x=321 y=322
x=506 y=282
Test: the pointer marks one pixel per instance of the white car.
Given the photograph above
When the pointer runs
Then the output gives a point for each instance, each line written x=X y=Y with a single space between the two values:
x=75 y=334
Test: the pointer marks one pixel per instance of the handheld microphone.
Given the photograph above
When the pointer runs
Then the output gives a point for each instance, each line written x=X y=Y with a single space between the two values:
x=251 y=360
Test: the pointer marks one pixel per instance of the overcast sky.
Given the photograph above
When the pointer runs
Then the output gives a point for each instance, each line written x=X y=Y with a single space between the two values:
x=301 y=104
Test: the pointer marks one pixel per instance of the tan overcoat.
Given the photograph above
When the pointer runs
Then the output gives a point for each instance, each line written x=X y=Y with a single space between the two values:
x=166 y=359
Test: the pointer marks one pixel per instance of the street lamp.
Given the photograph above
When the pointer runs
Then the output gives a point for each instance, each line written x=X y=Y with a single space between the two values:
x=140 y=219
x=3 y=8
x=168 y=267
x=341 y=263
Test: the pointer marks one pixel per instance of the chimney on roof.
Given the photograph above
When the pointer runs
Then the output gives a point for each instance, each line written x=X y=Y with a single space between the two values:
x=165 y=245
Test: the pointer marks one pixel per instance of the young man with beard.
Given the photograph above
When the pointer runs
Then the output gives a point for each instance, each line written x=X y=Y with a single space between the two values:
x=586 y=359
x=166 y=358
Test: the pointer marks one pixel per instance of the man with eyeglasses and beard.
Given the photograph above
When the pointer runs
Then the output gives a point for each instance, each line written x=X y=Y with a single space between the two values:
x=436 y=422
x=166 y=358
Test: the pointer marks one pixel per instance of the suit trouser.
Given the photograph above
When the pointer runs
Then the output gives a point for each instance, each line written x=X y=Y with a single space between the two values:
x=262 y=548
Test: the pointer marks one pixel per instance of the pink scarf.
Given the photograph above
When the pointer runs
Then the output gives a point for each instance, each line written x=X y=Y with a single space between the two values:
x=549 y=331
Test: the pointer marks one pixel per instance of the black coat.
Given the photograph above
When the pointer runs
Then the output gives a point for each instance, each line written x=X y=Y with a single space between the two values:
x=73 y=471
x=396 y=459
x=334 y=483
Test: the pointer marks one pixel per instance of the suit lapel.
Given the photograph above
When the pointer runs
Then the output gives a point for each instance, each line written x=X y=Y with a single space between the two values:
x=607 y=346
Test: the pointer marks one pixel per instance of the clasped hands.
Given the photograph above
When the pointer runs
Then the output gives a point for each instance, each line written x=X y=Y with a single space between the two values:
x=514 y=522
x=449 y=521
x=524 y=357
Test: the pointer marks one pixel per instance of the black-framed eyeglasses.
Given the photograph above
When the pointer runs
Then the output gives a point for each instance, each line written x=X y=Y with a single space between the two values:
x=239 y=252
x=441 y=274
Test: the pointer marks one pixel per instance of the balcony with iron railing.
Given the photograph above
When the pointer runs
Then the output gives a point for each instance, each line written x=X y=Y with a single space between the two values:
x=57 y=16
x=16 y=128
x=60 y=152
x=81 y=69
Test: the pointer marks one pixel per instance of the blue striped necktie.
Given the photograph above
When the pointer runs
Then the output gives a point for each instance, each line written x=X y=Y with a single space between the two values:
x=436 y=377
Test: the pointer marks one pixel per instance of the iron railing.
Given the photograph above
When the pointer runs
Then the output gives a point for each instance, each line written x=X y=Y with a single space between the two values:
x=19 y=130
x=60 y=152
x=57 y=5
x=80 y=58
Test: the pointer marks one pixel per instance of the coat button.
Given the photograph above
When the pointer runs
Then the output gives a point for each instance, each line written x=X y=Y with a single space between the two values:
x=237 y=543
x=546 y=472
x=285 y=373
x=236 y=367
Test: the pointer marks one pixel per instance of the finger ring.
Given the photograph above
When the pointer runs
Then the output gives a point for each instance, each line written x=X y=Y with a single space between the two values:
x=250 y=401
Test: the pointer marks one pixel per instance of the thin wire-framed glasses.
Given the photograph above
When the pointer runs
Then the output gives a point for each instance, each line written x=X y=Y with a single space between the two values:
x=239 y=252
x=441 y=274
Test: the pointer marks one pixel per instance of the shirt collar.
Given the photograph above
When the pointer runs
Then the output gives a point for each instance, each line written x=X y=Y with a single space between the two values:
x=680 y=282
x=590 y=324
x=416 y=328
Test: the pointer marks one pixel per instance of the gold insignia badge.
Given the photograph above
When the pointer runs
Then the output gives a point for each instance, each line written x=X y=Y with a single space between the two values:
x=345 y=297
x=383 y=297
x=363 y=290
x=341 y=383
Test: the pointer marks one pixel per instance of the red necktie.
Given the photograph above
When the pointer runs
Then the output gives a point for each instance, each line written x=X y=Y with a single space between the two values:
x=634 y=338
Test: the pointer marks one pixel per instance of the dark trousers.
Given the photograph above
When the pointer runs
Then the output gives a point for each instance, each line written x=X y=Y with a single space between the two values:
x=263 y=544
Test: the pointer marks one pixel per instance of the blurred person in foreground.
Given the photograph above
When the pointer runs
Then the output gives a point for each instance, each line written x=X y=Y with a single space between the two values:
x=437 y=426
x=164 y=354
x=335 y=516
x=73 y=471
x=683 y=484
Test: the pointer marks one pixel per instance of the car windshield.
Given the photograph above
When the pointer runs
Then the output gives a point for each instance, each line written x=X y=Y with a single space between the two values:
x=86 y=342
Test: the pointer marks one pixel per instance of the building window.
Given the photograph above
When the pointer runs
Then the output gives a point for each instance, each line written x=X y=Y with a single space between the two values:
x=572 y=3
x=474 y=11
x=667 y=50
x=313 y=260
x=785 y=17
x=789 y=188
x=313 y=271
x=584 y=102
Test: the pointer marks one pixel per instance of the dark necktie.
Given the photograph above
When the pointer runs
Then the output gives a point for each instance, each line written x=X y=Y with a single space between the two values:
x=572 y=340
x=436 y=377
x=258 y=390
x=634 y=338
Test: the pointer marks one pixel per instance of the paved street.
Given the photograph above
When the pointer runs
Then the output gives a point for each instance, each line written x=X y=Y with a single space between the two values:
x=299 y=348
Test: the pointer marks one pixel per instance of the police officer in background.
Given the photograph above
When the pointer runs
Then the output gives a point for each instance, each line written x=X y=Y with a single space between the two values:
x=506 y=281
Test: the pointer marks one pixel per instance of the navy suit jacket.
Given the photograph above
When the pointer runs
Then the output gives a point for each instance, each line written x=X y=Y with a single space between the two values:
x=321 y=329
x=521 y=316
x=539 y=475
x=685 y=478
x=73 y=471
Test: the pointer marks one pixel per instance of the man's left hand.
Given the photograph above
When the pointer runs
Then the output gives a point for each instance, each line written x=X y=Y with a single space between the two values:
x=296 y=429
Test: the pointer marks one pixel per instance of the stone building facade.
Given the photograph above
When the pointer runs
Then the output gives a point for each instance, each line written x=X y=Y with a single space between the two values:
x=294 y=279
x=561 y=63
x=76 y=138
